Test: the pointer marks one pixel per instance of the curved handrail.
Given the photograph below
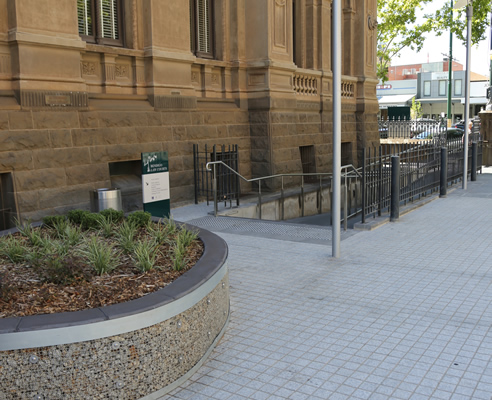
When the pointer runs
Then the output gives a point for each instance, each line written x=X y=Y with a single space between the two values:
x=356 y=170
x=349 y=173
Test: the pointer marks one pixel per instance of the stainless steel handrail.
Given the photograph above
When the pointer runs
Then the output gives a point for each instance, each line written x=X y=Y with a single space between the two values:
x=348 y=174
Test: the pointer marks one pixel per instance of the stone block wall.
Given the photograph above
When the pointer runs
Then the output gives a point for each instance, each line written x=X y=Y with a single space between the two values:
x=57 y=157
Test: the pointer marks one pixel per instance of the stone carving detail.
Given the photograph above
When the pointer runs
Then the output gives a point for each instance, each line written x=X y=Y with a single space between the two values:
x=304 y=84
x=280 y=21
x=194 y=77
x=371 y=39
x=88 y=68
x=121 y=71
x=372 y=22
x=215 y=79
x=110 y=72
x=348 y=89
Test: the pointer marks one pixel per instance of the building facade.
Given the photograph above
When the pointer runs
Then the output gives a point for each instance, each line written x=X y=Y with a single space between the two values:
x=428 y=84
x=86 y=86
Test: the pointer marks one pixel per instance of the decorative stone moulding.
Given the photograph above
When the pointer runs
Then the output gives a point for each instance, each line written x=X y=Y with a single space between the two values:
x=140 y=349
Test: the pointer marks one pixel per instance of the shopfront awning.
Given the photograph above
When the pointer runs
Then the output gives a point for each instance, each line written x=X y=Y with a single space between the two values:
x=476 y=100
x=397 y=100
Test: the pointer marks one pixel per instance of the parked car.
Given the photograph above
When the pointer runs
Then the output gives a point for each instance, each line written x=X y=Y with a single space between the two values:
x=459 y=125
x=451 y=134
x=421 y=125
x=454 y=133
x=425 y=135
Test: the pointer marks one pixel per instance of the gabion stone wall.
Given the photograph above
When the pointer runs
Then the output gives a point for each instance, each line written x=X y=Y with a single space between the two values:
x=127 y=366
x=150 y=350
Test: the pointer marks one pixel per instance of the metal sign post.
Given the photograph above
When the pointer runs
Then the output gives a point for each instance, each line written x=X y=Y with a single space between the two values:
x=337 y=124
x=155 y=184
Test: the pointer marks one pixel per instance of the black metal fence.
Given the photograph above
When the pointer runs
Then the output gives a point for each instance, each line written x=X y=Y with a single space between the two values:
x=416 y=129
x=408 y=129
x=419 y=171
x=228 y=187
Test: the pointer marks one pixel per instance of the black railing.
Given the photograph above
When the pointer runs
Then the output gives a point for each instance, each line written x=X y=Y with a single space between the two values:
x=418 y=129
x=419 y=171
x=228 y=188
x=409 y=129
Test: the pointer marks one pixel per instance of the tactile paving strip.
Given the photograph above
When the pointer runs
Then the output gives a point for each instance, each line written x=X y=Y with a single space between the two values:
x=268 y=229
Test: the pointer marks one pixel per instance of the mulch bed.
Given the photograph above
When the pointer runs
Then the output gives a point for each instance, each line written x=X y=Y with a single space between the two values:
x=23 y=292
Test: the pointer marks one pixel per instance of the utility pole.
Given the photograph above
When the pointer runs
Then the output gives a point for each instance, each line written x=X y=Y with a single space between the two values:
x=469 y=16
x=337 y=126
x=450 y=65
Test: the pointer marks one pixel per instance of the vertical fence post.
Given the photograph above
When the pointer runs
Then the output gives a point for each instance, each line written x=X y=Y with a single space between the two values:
x=259 y=198
x=206 y=177
x=363 y=188
x=236 y=167
x=474 y=161
x=302 y=196
x=195 y=172
x=214 y=184
x=345 y=212
x=395 y=188
x=380 y=184
x=444 y=172
x=282 y=199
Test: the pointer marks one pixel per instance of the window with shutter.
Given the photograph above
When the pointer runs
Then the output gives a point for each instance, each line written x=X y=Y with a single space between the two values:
x=100 y=21
x=201 y=24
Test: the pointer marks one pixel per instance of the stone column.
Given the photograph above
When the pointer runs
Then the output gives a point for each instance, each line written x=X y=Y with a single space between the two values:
x=168 y=56
x=486 y=132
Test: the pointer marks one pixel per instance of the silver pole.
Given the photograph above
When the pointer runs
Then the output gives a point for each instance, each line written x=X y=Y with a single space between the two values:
x=469 y=15
x=337 y=124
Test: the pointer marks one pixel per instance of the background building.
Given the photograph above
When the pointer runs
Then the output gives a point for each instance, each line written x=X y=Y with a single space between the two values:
x=429 y=86
x=87 y=85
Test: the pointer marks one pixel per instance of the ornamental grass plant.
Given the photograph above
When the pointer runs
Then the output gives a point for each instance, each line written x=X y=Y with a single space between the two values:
x=93 y=258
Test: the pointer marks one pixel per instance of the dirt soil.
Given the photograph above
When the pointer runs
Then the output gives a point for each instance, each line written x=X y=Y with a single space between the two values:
x=23 y=292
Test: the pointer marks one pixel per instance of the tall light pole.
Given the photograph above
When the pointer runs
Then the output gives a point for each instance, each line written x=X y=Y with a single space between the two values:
x=450 y=66
x=469 y=15
x=336 y=46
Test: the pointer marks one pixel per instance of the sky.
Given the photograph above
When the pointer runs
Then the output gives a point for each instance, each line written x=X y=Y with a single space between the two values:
x=480 y=58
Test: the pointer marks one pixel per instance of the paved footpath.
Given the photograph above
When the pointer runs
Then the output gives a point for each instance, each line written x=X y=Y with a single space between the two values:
x=404 y=313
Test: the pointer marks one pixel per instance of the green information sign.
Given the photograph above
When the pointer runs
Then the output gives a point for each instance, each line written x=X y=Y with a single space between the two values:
x=155 y=184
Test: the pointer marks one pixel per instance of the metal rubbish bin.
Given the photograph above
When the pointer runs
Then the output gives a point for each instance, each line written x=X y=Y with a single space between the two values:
x=102 y=199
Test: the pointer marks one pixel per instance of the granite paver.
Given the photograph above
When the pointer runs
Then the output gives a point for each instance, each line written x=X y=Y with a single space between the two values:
x=404 y=313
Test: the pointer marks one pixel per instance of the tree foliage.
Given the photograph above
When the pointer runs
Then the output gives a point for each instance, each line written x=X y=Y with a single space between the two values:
x=416 y=109
x=400 y=27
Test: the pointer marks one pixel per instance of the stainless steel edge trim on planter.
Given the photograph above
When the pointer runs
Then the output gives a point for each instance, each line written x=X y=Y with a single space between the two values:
x=78 y=331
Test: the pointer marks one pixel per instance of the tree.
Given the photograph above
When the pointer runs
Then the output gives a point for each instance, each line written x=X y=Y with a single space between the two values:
x=399 y=26
x=416 y=109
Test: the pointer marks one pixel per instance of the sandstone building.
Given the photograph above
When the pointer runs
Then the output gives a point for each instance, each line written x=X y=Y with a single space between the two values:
x=87 y=85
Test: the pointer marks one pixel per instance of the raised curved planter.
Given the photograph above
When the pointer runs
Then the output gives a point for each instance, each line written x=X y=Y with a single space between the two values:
x=138 y=349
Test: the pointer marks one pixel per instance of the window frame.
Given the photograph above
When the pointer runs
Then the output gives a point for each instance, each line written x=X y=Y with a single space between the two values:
x=460 y=93
x=194 y=31
x=442 y=85
x=427 y=83
x=96 y=37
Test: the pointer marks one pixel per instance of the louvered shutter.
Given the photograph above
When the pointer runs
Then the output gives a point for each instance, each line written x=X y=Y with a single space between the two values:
x=201 y=24
x=108 y=14
x=84 y=16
